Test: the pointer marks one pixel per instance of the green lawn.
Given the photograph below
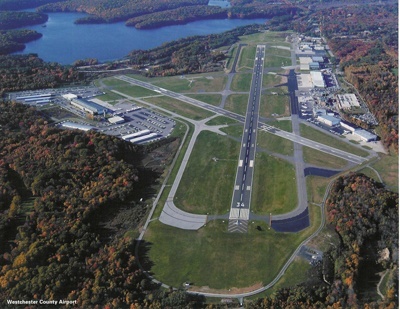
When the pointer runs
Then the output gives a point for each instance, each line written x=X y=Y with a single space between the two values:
x=212 y=99
x=285 y=125
x=241 y=82
x=274 y=186
x=388 y=168
x=278 y=51
x=221 y=120
x=274 y=143
x=208 y=181
x=247 y=57
x=179 y=107
x=322 y=159
x=326 y=139
x=274 y=106
x=237 y=103
x=213 y=258
x=276 y=61
x=135 y=91
x=234 y=130
x=270 y=80
x=208 y=82
x=316 y=187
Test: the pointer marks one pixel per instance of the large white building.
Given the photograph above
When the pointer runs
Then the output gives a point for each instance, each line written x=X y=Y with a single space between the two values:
x=317 y=79
x=329 y=120
x=365 y=135
x=347 y=101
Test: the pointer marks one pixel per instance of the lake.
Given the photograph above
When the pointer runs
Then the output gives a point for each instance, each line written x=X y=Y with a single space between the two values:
x=64 y=42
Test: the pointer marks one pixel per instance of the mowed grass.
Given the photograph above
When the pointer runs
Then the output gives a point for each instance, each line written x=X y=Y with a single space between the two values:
x=221 y=120
x=212 y=99
x=276 y=61
x=208 y=181
x=322 y=159
x=274 y=105
x=274 y=143
x=270 y=80
x=247 y=57
x=241 y=82
x=285 y=125
x=388 y=169
x=318 y=136
x=282 y=52
x=316 y=187
x=179 y=107
x=274 y=186
x=237 y=103
x=209 y=82
x=214 y=258
x=234 y=130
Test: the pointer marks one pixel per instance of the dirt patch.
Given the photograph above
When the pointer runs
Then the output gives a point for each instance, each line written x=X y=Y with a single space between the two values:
x=232 y=291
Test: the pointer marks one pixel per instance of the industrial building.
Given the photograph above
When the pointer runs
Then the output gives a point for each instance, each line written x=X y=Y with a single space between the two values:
x=116 y=120
x=87 y=106
x=365 y=135
x=329 y=120
x=74 y=125
x=36 y=98
x=317 y=79
x=348 y=126
x=347 y=101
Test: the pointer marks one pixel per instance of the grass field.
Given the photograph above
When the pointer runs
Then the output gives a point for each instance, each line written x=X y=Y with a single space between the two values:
x=274 y=186
x=279 y=51
x=274 y=143
x=285 y=125
x=274 y=105
x=179 y=107
x=212 y=99
x=276 y=61
x=237 y=103
x=210 y=82
x=388 y=168
x=241 y=82
x=247 y=56
x=235 y=130
x=208 y=181
x=221 y=120
x=316 y=187
x=270 y=80
x=326 y=139
x=212 y=258
x=322 y=159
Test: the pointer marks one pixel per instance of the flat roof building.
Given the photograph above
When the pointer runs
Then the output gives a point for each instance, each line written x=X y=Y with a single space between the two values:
x=116 y=120
x=329 y=120
x=347 y=101
x=317 y=79
x=90 y=107
x=74 y=125
x=365 y=135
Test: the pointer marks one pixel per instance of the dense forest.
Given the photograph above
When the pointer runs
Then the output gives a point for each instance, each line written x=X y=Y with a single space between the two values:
x=148 y=14
x=55 y=188
x=188 y=55
x=21 y=72
x=13 y=40
x=11 y=20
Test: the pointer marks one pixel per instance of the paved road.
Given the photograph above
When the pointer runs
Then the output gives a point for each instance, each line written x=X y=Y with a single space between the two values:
x=241 y=197
x=293 y=137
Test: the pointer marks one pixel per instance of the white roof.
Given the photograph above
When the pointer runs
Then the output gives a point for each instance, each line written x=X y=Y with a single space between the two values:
x=116 y=119
x=317 y=79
